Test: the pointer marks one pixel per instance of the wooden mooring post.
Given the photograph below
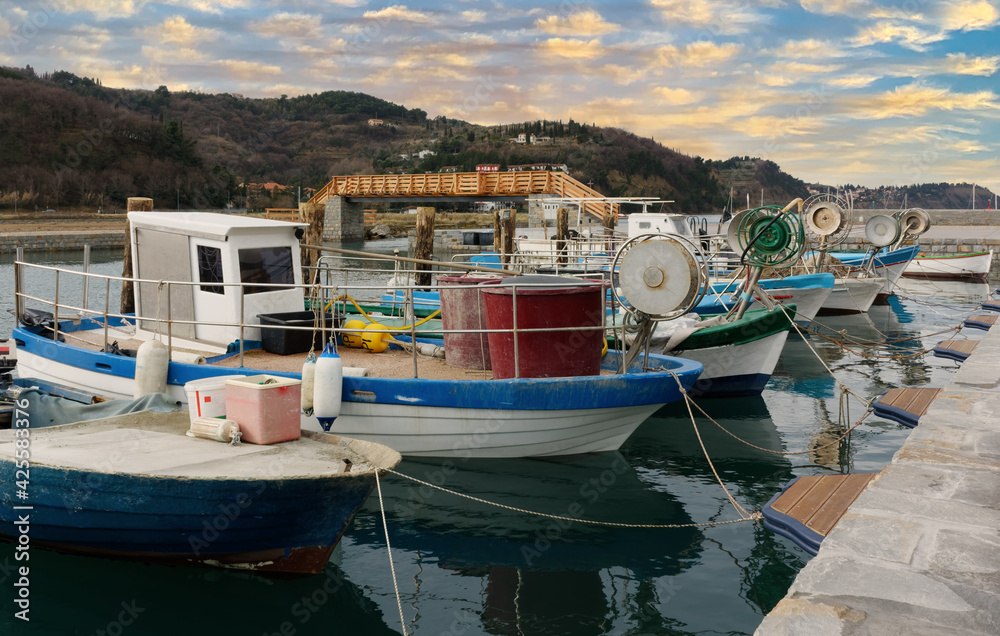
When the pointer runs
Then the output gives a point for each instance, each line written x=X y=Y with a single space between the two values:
x=314 y=214
x=133 y=204
x=504 y=226
x=424 y=245
x=610 y=219
x=562 y=233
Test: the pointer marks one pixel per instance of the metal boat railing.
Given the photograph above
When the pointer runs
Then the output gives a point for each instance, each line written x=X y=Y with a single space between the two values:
x=318 y=295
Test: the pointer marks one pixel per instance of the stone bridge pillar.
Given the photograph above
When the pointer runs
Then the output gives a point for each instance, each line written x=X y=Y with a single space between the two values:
x=343 y=221
x=536 y=210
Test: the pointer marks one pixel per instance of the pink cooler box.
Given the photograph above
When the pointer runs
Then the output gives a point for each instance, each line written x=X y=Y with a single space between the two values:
x=266 y=407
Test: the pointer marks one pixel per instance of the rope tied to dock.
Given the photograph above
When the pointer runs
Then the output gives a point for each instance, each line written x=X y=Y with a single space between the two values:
x=613 y=524
x=392 y=565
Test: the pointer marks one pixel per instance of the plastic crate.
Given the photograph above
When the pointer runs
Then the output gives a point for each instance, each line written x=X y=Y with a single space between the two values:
x=284 y=342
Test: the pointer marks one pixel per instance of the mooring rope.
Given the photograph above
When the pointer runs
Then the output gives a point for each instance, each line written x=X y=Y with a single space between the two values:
x=392 y=566
x=614 y=524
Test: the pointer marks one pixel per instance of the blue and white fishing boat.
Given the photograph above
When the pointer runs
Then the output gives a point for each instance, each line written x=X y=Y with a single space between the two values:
x=886 y=263
x=135 y=486
x=203 y=280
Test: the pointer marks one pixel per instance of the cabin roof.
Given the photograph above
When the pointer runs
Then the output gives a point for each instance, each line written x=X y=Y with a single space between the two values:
x=208 y=224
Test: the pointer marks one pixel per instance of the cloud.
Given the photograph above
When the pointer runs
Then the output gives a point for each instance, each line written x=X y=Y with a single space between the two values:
x=241 y=69
x=696 y=54
x=572 y=49
x=399 y=12
x=800 y=68
x=177 y=30
x=4 y=27
x=834 y=7
x=209 y=6
x=969 y=16
x=622 y=75
x=778 y=126
x=284 y=26
x=581 y=24
x=962 y=64
x=908 y=36
x=809 y=49
x=474 y=16
x=173 y=55
x=917 y=99
x=854 y=81
x=102 y=9
x=724 y=17
x=676 y=95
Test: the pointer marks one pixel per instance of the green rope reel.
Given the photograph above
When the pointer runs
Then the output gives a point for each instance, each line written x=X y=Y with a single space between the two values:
x=765 y=237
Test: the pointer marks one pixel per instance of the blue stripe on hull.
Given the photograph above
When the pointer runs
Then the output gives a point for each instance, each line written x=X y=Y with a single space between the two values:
x=730 y=386
x=134 y=513
x=606 y=391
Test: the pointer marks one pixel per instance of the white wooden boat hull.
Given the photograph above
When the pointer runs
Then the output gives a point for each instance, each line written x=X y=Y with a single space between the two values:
x=852 y=296
x=736 y=370
x=807 y=301
x=414 y=429
x=951 y=267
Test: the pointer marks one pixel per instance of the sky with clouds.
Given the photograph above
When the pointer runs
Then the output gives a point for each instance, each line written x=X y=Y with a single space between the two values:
x=836 y=91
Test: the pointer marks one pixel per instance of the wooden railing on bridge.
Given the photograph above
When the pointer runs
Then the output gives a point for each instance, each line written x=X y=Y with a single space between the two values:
x=465 y=184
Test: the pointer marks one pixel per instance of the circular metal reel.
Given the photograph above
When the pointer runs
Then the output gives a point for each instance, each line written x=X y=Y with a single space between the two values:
x=658 y=275
x=882 y=230
x=767 y=238
x=915 y=221
x=828 y=217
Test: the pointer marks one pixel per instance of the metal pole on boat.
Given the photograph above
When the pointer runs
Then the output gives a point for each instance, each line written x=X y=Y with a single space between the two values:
x=242 y=310
x=19 y=283
x=517 y=363
x=170 y=325
x=107 y=306
x=86 y=274
x=406 y=259
x=55 y=312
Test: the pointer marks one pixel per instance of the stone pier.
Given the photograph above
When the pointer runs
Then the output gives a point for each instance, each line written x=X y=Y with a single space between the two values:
x=344 y=221
x=919 y=551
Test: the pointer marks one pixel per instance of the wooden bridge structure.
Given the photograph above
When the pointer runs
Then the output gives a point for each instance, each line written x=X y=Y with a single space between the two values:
x=467 y=186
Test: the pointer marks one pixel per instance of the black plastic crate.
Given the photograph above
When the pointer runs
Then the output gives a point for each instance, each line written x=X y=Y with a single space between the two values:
x=288 y=341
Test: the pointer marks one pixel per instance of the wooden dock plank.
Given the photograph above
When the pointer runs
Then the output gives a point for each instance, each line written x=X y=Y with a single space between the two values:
x=961 y=346
x=822 y=487
x=987 y=319
x=794 y=494
x=831 y=510
x=915 y=401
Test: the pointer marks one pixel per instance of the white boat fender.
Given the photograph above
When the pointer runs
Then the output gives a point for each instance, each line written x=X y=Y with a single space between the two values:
x=308 y=382
x=151 y=364
x=330 y=382
x=214 y=428
x=356 y=372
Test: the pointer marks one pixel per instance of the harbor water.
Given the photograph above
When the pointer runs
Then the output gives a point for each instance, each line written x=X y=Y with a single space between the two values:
x=465 y=567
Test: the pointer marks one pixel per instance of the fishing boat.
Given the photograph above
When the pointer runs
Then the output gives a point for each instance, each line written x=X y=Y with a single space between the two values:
x=971 y=266
x=135 y=486
x=808 y=292
x=205 y=279
x=886 y=263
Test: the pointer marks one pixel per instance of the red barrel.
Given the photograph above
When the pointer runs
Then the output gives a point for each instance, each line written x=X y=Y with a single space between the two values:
x=462 y=308
x=545 y=354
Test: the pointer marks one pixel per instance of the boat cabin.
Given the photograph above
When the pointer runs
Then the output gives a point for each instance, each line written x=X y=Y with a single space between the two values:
x=226 y=261
x=658 y=223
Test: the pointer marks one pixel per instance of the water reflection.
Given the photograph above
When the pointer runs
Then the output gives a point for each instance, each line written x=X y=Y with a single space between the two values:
x=84 y=595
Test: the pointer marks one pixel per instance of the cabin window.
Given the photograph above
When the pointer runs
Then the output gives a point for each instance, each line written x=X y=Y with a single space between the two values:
x=210 y=269
x=645 y=225
x=264 y=266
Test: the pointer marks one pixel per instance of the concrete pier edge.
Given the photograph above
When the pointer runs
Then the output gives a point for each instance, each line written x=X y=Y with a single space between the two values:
x=919 y=551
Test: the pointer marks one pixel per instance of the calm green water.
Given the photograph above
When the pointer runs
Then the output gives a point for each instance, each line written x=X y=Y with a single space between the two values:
x=466 y=568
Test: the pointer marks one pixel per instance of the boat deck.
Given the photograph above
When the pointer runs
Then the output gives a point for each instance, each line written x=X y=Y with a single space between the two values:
x=148 y=443
x=392 y=363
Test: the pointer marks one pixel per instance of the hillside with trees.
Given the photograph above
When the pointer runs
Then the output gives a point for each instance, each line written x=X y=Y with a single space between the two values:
x=71 y=142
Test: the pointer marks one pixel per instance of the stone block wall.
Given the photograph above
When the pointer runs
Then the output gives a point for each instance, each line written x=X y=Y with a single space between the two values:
x=57 y=241
x=344 y=221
